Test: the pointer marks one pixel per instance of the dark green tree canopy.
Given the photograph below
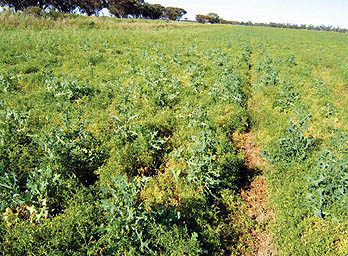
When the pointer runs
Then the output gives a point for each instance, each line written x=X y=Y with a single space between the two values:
x=174 y=13
x=20 y=5
x=212 y=18
x=90 y=7
x=119 y=8
x=125 y=8
x=66 y=6
x=200 y=18
x=153 y=11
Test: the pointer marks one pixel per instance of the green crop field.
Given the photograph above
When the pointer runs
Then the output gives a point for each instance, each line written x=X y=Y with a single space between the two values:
x=120 y=137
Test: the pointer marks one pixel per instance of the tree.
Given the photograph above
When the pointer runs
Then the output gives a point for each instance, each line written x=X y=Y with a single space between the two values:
x=173 y=13
x=153 y=11
x=90 y=7
x=66 y=6
x=20 y=5
x=126 y=8
x=213 y=18
x=119 y=8
x=201 y=18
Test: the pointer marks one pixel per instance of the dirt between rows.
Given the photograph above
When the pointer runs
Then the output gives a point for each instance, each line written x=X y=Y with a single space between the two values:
x=255 y=195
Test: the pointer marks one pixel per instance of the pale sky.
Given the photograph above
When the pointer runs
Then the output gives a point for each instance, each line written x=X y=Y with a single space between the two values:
x=316 y=12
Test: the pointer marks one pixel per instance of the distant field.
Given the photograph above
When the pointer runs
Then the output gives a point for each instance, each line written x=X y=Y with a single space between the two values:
x=123 y=138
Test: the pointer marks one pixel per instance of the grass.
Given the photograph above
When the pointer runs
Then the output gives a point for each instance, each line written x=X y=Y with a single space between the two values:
x=12 y=21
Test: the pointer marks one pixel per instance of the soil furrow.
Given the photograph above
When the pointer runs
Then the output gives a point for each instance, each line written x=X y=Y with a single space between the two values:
x=253 y=190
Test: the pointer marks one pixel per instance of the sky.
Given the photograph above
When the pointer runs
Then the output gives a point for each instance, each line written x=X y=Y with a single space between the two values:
x=316 y=12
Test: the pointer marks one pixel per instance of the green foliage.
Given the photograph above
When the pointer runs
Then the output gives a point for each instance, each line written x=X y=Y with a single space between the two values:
x=286 y=97
x=291 y=60
x=211 y=162
x=8 y=83
x=138 y=149
x=72 y=232
x=126 y=219
x=229 y=89
x=174 y=13
x=307 y=179
x=55 y=15
x=212 y=18
x=10 y=194
x=269 y=72
x=43 y=193
x=19 y=154
x=133 y=230
x=34 y=11
x=109 y=114
x=292 y=144
x=329 y=184
x=146 y=112
x=71 y=90
x=175 y=240
x=321 y=87
x=72 y=150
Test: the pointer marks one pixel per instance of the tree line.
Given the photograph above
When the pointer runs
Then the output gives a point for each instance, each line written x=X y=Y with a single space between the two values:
x=142 y=9
x=214 y=18
x=119 y=8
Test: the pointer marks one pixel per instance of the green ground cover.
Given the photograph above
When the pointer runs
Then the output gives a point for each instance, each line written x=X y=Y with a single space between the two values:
x=299 y=105
x=116 y=138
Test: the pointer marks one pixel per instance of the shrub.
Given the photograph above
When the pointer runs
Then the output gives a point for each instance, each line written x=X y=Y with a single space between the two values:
x=55 y=15
x=34 y=11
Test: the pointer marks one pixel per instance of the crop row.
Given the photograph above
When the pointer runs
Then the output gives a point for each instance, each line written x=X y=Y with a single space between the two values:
x=301 y=129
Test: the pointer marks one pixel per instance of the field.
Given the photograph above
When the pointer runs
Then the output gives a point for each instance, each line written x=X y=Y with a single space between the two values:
x=147 y=138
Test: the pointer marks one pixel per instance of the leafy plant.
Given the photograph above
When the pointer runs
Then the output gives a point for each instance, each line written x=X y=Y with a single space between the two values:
x=286 y=97
x=132 y=229
x=291 y=60
x=329 y=184
x=42 y=192
x=211 y=165
x=322 y=87
x=269 y=72
x=19 y=154
x=67 y=89
x=8 y=83
x=292 y=144
x=73 y=151
x=139 y=148
x=229 y=88
x=10 y=194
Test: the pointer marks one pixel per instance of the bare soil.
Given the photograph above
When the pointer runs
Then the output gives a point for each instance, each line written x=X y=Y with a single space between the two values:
x=255 y=195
